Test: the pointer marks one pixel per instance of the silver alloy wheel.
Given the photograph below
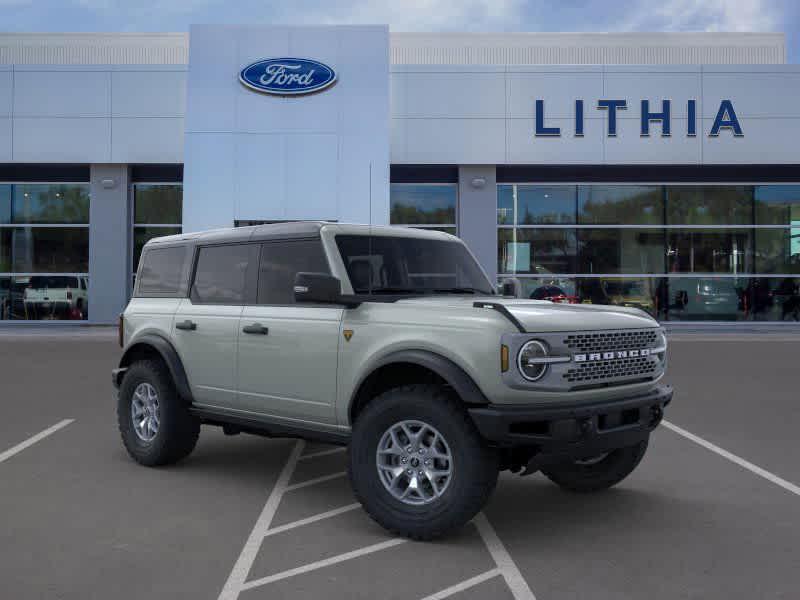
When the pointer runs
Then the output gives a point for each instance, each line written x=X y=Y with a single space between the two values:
x=414 y=462
x=145 y=413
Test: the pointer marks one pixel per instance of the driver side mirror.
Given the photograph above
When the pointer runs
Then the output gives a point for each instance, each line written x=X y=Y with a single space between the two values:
x=320 y=288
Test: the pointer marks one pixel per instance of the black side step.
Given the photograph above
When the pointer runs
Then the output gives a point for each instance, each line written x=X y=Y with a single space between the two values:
x=232 y=423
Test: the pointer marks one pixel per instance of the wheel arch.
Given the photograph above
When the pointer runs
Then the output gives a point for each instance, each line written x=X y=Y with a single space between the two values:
x=150 y=345
x=424 y=364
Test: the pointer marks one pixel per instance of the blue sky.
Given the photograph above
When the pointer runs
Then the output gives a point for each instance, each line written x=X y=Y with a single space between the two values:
x=414 y=15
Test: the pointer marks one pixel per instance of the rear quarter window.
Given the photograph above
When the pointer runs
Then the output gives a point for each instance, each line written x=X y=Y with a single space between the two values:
x=161 y=272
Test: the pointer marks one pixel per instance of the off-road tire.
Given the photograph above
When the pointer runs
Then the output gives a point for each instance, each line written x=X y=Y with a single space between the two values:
x=178 y=430
x=475 y=466
x=612 y=469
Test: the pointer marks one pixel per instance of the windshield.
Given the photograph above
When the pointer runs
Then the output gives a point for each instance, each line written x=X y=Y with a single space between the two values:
x=395 y=265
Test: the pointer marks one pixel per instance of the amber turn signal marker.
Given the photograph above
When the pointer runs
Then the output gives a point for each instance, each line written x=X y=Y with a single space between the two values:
x=503 y=358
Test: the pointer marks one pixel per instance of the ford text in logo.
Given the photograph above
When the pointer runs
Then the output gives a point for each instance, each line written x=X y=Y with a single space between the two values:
x=287 y=76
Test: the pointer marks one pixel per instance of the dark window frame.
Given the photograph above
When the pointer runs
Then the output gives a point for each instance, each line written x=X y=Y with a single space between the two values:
x=181 y=290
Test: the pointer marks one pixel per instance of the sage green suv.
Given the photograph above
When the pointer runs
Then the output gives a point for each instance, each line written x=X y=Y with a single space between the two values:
x=394 y=342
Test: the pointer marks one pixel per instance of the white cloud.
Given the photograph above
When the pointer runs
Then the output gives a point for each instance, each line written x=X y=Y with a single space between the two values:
x=704 y=15
x=416 y=15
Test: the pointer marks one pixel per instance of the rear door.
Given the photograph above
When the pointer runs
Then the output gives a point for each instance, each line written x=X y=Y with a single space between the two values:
x=205 y=329
x=288 y=352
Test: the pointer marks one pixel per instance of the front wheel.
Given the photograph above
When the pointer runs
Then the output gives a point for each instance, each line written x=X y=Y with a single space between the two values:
x=599 y=472
x=417 y=464
x=154 y=421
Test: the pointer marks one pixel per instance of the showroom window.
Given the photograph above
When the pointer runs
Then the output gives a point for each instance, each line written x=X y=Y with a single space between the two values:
x=424 y=205
x=44 y=251
x=157 y=211
x=680 y=252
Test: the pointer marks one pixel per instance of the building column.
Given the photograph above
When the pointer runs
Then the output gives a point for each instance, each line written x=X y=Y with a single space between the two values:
x=109 y=242
x=477 y=214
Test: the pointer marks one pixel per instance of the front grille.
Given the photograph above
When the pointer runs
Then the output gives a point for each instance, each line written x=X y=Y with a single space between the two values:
x=604 y=370
x=600 y=341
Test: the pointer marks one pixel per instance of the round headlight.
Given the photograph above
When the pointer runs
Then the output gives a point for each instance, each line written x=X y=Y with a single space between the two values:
x=527 y=360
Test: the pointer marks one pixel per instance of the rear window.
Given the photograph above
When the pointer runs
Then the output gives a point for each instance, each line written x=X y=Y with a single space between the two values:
x=221 y=274
x=161 y=271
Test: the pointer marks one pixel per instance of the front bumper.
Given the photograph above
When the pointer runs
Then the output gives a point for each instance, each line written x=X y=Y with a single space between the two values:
x=577 y=430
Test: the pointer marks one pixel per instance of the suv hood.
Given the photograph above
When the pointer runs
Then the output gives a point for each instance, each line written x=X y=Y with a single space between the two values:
x=542 y=315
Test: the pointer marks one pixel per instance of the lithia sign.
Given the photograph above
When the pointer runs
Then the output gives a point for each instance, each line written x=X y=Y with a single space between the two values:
x=726 y=119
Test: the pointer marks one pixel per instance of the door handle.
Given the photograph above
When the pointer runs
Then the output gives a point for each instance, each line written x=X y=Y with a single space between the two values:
x=256 y=328
x=186 y=325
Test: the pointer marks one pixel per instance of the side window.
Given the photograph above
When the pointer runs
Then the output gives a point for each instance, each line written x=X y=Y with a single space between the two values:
x=220 y=274
x=281 y=261
x=161 y=271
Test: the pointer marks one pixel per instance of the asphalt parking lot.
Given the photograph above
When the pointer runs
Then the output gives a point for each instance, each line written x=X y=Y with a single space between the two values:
x=713 y=511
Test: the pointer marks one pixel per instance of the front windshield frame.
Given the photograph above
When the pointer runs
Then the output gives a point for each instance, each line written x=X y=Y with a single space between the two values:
x=386 y=270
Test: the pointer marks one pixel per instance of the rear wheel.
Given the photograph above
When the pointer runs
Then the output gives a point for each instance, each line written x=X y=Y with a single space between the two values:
x=417 y=463
x=598 y=472
x=154 y=421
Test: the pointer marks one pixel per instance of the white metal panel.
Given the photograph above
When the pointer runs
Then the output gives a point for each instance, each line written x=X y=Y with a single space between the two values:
x=455 y=141
x=397 y=141
x=559 y=91
x=208 y=181
x=6 y=92
x=148 y=93
x=753 y=94
x=452 y=95
x=62 y=93
x=78 y=140
x=654 y=85
x=260 y=197
x=629 y=148
x=147 y=140
x=765 y=141
x=317 y=168
x=5 y=139
x=211 y=88
x=525 y=148
x=311 y=169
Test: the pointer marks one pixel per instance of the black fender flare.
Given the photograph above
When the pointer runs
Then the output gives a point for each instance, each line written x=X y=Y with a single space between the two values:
x=454 y=376
x=168 y=354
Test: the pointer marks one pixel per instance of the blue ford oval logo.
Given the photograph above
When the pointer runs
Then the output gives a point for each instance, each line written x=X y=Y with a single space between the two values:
x=287 y=76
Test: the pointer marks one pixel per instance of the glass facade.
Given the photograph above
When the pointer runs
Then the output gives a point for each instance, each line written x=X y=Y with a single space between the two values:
x=424 y=205
x=44 y=251
x=679 y=252
x=157 y=211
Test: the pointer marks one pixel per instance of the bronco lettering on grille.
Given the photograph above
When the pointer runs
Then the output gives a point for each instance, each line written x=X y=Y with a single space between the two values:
x=610 y=355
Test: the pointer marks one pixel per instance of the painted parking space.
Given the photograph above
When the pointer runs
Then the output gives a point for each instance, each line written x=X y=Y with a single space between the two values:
x=81 y=520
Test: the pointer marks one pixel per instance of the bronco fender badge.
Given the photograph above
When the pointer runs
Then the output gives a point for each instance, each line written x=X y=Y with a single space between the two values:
x=347 y=333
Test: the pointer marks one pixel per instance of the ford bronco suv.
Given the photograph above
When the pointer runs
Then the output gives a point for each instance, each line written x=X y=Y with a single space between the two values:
x=394 y=342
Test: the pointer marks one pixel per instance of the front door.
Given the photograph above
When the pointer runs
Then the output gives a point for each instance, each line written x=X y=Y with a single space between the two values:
x=288 y=352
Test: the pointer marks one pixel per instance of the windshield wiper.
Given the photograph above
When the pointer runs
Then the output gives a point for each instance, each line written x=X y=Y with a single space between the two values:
x=392 y=290
x=457 y=290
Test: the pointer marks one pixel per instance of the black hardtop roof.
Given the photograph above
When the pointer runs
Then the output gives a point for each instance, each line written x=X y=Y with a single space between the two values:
x=241 y=234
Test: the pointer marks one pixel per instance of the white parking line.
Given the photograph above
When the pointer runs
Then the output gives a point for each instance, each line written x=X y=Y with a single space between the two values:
x=244 y=563
x=508 y=568
x=323 y=453
x=322 y=479
x=464 y=585
x=33 y=439
x=734 y=459
x=314 y=519
x=324 y=563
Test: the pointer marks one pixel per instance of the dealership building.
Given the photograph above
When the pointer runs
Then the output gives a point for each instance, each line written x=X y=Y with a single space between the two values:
x=652 y=170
